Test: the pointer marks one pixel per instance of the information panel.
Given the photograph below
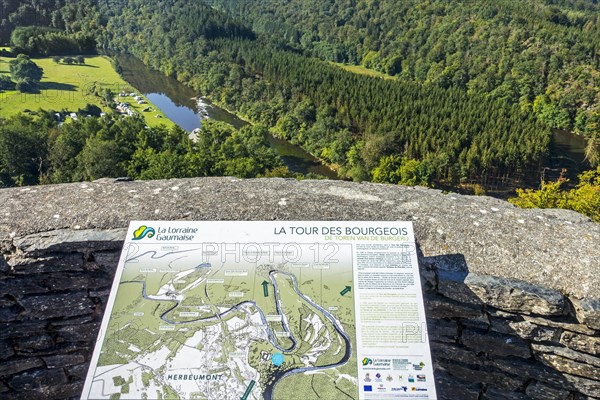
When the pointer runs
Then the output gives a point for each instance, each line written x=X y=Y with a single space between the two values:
x=264 y=310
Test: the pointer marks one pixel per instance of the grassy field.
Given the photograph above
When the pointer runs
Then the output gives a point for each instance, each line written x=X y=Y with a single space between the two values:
x=67 y=87
x=357 y=69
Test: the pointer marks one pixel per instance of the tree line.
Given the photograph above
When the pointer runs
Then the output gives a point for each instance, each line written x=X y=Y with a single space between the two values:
x=353 y=121
x=370 y=128
x=542 y=55
x=36 y=149
x=36 y=40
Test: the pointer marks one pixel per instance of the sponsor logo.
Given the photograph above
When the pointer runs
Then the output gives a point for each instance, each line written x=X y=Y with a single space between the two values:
x=421 y=378
x=170 y=233
x=401 y=364
x=368 y=388
x=400 y=389
x=418 y=389
x=377 y=362
x=419 y=367
x=368 y=377
x=411 y=378
x=389 y=378
x=142 y=232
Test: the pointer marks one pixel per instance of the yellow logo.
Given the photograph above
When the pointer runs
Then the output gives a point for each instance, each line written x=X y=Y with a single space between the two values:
x=142 y=232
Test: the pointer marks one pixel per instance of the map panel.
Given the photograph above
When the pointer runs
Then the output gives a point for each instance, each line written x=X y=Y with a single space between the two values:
x=191 y=317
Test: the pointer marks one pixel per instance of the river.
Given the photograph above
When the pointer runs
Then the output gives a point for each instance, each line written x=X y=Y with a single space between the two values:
x=178 y=103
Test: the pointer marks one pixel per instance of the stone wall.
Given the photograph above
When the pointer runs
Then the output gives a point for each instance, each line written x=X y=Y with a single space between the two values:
x=512 y=296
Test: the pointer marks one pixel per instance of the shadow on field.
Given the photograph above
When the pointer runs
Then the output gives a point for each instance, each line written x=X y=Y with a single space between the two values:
x=81 y=65
x=57 y=86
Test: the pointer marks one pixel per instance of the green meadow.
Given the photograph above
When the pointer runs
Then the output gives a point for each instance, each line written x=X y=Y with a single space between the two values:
x=65 y=86
x=357 y=69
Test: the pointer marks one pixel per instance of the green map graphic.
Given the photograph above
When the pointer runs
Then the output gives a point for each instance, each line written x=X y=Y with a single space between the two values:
x=242 y=321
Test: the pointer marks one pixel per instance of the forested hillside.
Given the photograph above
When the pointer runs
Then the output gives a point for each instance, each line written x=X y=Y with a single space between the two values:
x=66 y=15
x=366 y=126
x=479 y=84
x=541 y=54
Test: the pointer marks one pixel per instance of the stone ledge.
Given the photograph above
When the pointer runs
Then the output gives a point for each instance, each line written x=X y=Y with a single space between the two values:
x=556 y=249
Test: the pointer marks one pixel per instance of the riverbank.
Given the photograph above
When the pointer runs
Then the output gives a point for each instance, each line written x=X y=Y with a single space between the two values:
x=298 y=159
x=180 y=104
x=70 y=86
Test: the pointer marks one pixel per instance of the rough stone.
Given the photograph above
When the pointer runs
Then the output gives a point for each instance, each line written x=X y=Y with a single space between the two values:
x=18 y=287
x=64 y=391
x=514 y=295
x=454 y=353
x=530 y=369
x=107 y=261
x=527 y=330
x=511 y=260
x=580 y=328
x=61 y=262
x=15 y=366
x=482 y=322
x=539 y=391
x=588 y=310
x=73 y=282
x=10 y=313
x=61 y=305
x=490 y=377
x=527 y=245
x=497 y=394
x=69 y=241
x=72 y=321
x=579 y=342
x=442 y=307
x=569 y=366
x=32 y=343
x=567 y=353
x=102 y=294
x=450 y=388
x=6 y=349
x=442 y=330
x=78 y=333
x=63 y=360
x=8 y=330
x=586 y=386
x=59 y=348
x=495 y=343
x=78 y=371
x=428 y=279
x=4 y=267
x=36 y=379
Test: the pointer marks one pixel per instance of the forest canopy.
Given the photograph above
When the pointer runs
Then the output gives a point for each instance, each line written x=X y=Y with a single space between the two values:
x=475 y=86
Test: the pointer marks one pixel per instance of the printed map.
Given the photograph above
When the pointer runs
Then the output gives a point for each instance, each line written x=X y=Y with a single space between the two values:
x=231 y=321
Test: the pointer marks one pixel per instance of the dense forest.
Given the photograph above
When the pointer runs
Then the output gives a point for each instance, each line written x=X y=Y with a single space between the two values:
x=542 y=55
x=355 y=122
x=68 y=16
x=477 y=85
x=37 y=149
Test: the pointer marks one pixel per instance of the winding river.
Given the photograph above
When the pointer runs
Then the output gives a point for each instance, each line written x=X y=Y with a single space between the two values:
x=178 y=103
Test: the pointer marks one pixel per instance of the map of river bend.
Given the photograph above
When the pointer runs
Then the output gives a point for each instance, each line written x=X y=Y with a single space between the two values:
x=230 y=321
